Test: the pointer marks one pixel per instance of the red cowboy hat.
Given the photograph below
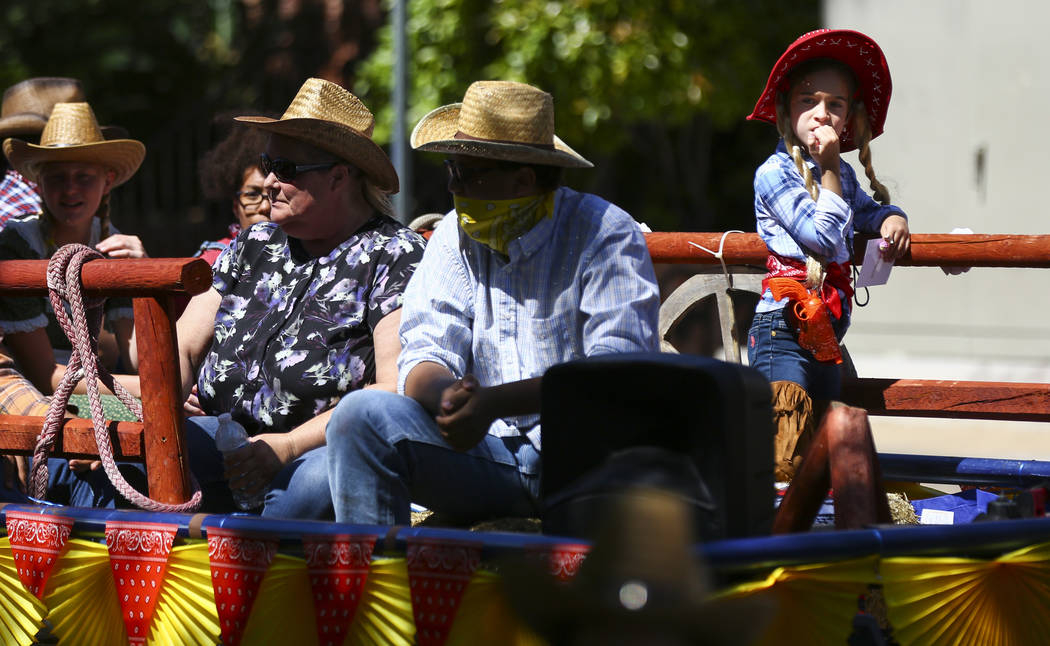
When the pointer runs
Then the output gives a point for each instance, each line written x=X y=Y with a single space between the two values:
x=854 y=49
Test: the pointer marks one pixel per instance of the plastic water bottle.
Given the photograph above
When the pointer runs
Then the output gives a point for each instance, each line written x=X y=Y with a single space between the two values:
x=230 y=437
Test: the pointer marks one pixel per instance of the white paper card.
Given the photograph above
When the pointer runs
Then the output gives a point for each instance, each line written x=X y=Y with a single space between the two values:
x=875 y=270
x=937 y=517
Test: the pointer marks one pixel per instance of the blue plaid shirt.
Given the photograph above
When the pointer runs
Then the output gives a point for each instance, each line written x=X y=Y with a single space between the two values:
x=788 y=219
x=578 y=284
x=18 y=196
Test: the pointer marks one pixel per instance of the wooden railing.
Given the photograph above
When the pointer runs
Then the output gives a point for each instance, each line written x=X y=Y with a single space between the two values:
x=902 y=397
x=157 y=441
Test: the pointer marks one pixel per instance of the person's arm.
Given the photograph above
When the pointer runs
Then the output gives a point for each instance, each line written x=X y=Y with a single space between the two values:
x=36 y=358
x=782 y=202
x=253 y=467
x=387 y=346
x=123 y=331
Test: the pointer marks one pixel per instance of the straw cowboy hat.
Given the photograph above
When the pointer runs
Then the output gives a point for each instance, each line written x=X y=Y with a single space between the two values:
x=854 y=49
x=72 y=134
x=329 y=117
x=27 y=105
x=641 y=579
x=498 y=120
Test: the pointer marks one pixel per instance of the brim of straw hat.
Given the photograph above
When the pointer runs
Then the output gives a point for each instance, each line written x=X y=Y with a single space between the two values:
x=20 y=125
x=436 y=132
x=123 y=156
x=340 y=140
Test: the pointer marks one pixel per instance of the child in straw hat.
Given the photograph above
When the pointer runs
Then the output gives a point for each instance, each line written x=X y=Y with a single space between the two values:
x=521 y=275
x=828 y=94
x=75 y=168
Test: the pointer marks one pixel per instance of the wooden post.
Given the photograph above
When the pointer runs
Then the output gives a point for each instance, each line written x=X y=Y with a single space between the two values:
x=807 y=491
x=855 y=479
x=167 y=468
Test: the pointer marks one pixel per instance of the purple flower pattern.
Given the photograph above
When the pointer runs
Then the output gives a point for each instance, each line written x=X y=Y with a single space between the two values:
x=293 y=333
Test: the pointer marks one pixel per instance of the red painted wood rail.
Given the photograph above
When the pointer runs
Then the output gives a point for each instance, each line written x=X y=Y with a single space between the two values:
x=905 y=397
x=927 y=249
x=158 y=441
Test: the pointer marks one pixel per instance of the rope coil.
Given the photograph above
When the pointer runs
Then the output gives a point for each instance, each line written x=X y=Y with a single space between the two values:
x=64 y=284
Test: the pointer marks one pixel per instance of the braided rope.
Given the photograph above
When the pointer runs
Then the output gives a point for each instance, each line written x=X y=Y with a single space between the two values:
x=63 y=282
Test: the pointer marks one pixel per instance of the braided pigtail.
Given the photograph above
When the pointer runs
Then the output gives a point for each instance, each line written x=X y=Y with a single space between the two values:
x=816 y=268
x=103 y=217
x=862 y=137
x=794 y=147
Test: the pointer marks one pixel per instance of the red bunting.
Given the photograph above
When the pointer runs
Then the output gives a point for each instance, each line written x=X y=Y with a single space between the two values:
x=438 y=574
x=138 y=554
x=238 y=564
x=37 y=540
x=338 y=565
x=561 y=560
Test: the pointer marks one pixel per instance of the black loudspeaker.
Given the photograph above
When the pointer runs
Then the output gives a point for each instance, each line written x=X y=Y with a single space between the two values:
x=697 y=426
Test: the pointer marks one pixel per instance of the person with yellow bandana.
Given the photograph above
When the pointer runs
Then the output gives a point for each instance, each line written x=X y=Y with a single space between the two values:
x=522 y=275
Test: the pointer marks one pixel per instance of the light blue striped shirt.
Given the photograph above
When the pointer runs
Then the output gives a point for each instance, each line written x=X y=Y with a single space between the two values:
x=788 y=219
x=578 y=284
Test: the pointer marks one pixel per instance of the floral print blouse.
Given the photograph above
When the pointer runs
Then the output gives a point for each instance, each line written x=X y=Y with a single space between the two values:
x=294 y=333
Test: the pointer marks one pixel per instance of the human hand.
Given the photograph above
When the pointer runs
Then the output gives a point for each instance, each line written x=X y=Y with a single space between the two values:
x=464 y=418
x=192 y=405
x=823 y=145
x=16 y=472
x=83 y=466
x=250 y=469
x=896 y=239
x=122 y=246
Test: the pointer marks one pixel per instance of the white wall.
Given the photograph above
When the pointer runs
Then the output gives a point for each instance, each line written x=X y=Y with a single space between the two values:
x=968 y=76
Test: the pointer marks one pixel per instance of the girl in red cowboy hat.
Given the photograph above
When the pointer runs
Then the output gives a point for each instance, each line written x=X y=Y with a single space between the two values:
x=827 y=94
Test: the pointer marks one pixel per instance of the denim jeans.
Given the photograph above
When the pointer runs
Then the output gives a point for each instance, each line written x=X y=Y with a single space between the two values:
x=299 y=490
x=385 y=452
x=773 y=350
x=87 y=489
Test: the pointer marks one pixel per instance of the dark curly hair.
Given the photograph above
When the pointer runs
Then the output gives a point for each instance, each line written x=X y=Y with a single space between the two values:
x=222 y=168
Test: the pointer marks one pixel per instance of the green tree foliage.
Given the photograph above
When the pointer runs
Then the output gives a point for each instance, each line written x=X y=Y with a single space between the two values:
x=648 y=89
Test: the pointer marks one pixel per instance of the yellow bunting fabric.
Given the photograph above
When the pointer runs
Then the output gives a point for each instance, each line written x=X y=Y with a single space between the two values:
x=283 y=612
x=967 y=601
x=20 y=612
x=82 y=597
x=385 y=613
x=485 y=617
x=815 y=603
x=185 y=612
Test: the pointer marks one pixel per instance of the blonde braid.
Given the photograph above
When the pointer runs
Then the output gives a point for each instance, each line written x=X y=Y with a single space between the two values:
x=816 y=268
x=103 y=215
x=862 y=136
x=794 y=147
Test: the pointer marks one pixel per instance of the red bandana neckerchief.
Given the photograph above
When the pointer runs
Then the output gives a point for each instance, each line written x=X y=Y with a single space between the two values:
x=837 y=278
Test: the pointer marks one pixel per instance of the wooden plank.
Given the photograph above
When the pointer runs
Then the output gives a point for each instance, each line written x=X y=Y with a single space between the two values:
x=167 y=467
x=118 y=277
x=807 y=491
x=856 y=480
x=927 y=249
x=950 y=399
x=76 y=440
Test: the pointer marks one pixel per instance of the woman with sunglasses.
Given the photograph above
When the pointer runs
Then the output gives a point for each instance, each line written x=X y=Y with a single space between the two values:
x=231 y=173
x=304 y=307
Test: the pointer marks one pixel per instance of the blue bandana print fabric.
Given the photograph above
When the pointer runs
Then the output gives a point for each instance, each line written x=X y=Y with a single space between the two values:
x=294 y=333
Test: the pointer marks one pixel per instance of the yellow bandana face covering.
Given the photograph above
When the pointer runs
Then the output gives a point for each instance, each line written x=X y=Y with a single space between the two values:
x=494 y=223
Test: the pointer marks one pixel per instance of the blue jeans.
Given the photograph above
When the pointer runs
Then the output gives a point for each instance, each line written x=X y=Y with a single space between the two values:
x=299 y=490
x=87 y=489
x=385 y=452
x=773 y=350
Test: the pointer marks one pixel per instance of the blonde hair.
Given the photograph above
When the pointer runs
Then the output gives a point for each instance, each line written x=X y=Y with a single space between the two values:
x=816 y=267
x=377 y=197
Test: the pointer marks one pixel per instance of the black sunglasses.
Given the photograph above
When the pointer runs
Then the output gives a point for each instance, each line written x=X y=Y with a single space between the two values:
x=286 y=170
x=464 y=175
